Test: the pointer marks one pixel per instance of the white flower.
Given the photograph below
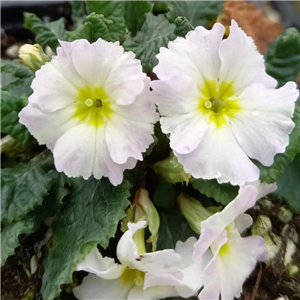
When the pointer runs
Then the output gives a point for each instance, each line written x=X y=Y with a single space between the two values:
x=228 y=259
x=90 y=107
x=219 y=105
x=128 y=279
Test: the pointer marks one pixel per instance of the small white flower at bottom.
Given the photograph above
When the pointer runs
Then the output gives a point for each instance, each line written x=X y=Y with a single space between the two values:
x=228 y=259
x=129 y=280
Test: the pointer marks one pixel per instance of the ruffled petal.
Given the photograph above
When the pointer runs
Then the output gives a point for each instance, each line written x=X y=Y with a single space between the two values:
x=196 y=56
x=74 y=151
x=103 y=267
x=263 y=126
x=47 y=128
x=51 y=90
x=241 y=64
x=242 y=222
x=95 y=61
x=212 y=227
x=96 y=288
x=126 y=79
x=176 y=95
x=219 y=156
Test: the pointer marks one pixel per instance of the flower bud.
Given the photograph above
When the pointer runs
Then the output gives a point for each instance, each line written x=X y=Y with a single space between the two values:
x=33 y=56
x=284 y=215
x=171 y=170
x=193 y=211
x=143 y=209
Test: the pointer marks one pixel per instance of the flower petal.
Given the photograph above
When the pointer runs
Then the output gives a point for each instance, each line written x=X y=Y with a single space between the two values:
x=238 y=263
x=212 y=227
x=96 y=288
x=51 y=90
x=104 y=165
x=103 y=267
x=263 y=126
x=131 y=128
x=186 y=131
x=126 y=79
x=47 y=128
x=219 y=156
x=196 y=56
x=242 y=222
x=95 y=61
x=74 y=151
x=152 y=293
x=242 y=65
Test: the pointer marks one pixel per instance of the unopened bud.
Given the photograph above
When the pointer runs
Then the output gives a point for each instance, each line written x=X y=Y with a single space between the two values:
x=171 y=170
x=33 y=56
x=143 y=209
x=193 y=211
x=273 y=244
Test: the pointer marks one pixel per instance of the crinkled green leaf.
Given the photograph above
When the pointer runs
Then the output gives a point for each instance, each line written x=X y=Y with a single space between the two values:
x=11 y=232
x=15 y=78
x=134 y=14
x=78 y=13
x=45 y=33
x=91 y=216
x=270 y=174
x=156 y=32
x=31 y=221
x=10 y=108
x=96 y=27
x=197 y=12
x=283 y=57
x=112 y=10
x=222 y=193
x=288 y=185
x=173 y=228
x=183 y=26
x=23 y=188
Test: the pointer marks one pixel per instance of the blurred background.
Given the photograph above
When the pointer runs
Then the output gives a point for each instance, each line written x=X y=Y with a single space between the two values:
x=283 y=13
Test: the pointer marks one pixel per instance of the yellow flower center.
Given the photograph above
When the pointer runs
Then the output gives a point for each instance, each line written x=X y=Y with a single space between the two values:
x=93 y=106
x=131 y=276
x=218 y=102
x=224 y=250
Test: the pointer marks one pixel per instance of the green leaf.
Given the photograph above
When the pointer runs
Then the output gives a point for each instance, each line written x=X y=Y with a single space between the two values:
x=96 y=27
x=156 y=32
x=31 y=221
x=196 y=12
x=270 y=174
x=288 y=185
x=45 y=33
x=112 y=10
x=10 y=108
x=223 y=193
x=134 y=14
x=164 y=194
x=283 y=57
x=91 y=216
x=183 y=26
x=24 y=188
x=173 y=228
x=15 y=78
x=78 y=13
x=10 y=233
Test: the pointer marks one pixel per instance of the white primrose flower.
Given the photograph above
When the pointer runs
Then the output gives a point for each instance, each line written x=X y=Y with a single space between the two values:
x=219 y=105
x=127 y=280
x=90 y=106
x=228 y=259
